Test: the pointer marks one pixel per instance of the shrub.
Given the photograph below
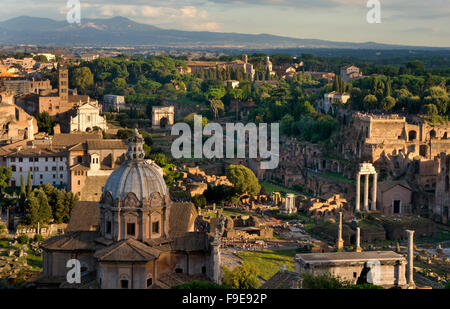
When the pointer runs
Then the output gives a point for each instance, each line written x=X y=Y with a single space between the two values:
x=23 y=239
x=199 y=201
x=38 y=237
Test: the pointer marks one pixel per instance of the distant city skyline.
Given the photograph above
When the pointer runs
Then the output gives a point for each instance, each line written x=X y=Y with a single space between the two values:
x=405 y=22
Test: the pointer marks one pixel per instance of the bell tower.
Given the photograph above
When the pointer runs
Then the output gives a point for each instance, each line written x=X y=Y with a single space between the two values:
x=63 y=86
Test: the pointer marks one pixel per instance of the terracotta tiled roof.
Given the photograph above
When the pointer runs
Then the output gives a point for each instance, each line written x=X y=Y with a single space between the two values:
x=99 y=144
x=388 y=184
x=72 y=139
x=283 y=279
x=168 y=280
x=82 y=241
x=85 y=217
x=79 y=167
x=128 y=250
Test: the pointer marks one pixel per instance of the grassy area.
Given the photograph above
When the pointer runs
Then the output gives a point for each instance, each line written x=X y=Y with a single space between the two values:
x=270 y=187
x=35 y=261
x=297 y=216
x=339 y=177
x=225 y=212
x=267 y=263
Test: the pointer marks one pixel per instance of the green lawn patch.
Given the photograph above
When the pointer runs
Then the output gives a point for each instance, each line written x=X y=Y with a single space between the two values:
x=35 y=261
x=270 y=187
x=267 y=263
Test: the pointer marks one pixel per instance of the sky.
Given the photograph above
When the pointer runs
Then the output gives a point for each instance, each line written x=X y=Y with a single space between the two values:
x=405 y=22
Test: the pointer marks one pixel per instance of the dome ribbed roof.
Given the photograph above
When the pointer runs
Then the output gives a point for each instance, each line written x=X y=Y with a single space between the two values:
x=141 y=178
x=136 y=175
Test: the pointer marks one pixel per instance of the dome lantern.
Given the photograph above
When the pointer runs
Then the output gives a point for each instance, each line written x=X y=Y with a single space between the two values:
x=136 y=147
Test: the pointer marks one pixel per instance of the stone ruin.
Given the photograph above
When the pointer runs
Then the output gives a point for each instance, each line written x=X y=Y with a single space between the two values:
x=326 y=206
x=237 y=227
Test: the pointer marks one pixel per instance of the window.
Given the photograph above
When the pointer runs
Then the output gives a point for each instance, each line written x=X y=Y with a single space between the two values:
x=61 y=159
x=20 y=169
x=61 y=176
x=54 y=159
x=79 y=182
x=13 y=159
x=124 y=284
x=36 y=159
x=61 y=168
x=31 y=168
x=131 y=229
x=13 y=168
x=204 y=270
x=54 y=176
x=54 y=168
x=108 y=227
x=46 y=168
x=155 y=227
x=46 y=159
x=41 y=176
x=178 y=270
x=36 y=168
x=149 y=282
x=31 y=159
x=20 y=159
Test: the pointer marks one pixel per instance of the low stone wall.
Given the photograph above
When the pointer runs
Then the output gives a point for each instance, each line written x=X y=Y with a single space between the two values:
x=52 y=229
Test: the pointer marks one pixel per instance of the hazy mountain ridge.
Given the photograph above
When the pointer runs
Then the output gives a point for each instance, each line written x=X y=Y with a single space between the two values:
x=123 y=31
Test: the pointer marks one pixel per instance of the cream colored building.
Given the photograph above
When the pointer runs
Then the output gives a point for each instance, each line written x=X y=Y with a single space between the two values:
x=87 y=117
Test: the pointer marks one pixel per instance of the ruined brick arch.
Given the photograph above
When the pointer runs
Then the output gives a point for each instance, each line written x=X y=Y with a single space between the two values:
x=163 y=122
x=432 y=134
x=412 y=135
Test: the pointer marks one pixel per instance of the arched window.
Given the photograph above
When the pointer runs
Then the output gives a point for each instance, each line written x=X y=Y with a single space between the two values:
x=412 y=135
x=432 y=134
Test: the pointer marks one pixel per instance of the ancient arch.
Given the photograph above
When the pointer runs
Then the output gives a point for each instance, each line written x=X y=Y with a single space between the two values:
x=432 y=134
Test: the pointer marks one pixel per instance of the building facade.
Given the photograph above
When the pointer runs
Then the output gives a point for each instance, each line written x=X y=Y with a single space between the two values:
x=144 y=240
x=87 y=116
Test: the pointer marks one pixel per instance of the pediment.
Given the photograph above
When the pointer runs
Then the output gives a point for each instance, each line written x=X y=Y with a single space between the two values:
x=130 y=201
x=156 y=200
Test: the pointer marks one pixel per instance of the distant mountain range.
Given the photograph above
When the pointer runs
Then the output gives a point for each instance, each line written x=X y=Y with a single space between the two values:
x=121 y=31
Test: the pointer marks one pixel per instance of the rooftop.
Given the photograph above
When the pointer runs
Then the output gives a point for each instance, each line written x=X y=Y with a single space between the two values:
x=345 y=257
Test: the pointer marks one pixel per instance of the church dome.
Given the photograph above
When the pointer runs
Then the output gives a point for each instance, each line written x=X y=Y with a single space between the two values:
x=136 y=174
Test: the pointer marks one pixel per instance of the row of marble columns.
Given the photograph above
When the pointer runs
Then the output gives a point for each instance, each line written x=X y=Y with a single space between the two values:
x=366 y=192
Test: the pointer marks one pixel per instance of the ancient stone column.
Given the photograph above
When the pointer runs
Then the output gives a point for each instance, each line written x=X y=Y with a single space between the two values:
x=410 y=269
x=216 y=260
x=340 y=242
x=358 y=191
x=366 y=192
x=374 y=192
x=358 y=240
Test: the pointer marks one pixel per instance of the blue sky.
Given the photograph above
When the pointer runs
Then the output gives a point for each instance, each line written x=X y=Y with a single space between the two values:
x=409 y=22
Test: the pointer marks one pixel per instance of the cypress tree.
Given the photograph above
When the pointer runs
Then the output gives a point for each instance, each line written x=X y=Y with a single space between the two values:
x=22 y=185
x=29 y=185
x=45 y=211
x=31 y=211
